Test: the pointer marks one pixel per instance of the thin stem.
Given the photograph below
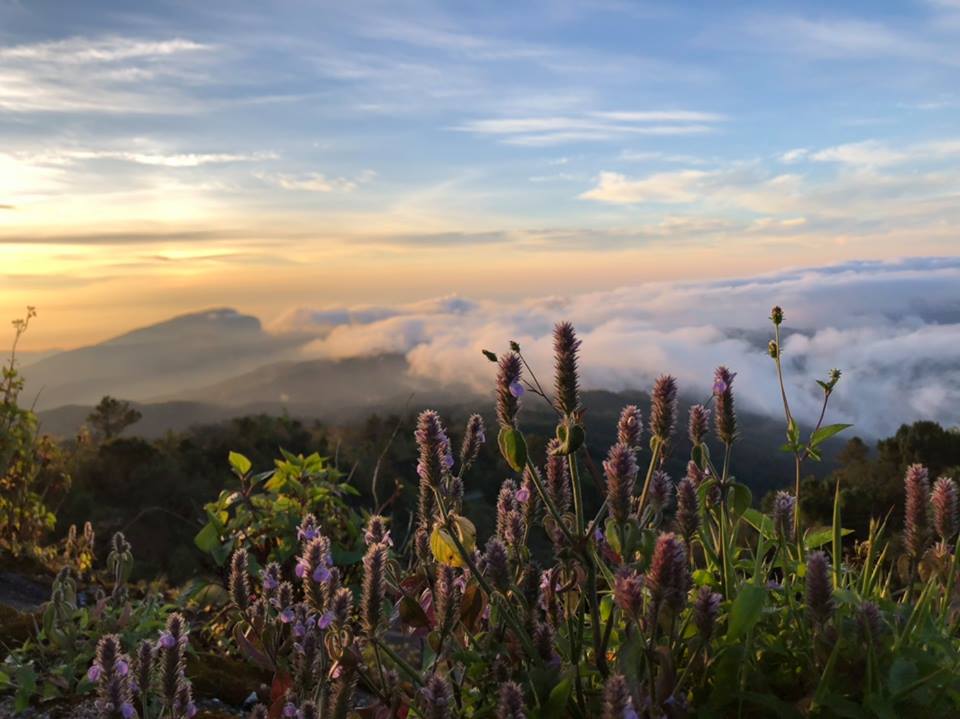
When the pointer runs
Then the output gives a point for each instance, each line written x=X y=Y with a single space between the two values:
x=646 y=482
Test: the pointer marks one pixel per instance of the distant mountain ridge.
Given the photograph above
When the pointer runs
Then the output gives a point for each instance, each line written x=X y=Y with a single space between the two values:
x=189 y=350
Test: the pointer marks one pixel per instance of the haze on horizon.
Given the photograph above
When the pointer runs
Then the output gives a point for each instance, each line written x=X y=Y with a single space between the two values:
x=170 y=156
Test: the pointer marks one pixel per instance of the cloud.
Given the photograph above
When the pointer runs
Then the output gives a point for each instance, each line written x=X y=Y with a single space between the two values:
x=891 y=327
x=100 y=75
x=316 y=182
x=869 y=153
x=597 y=126
x=668 y=187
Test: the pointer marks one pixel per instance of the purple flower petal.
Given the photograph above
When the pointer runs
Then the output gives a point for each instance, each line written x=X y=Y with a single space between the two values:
x=167 y=641
x=522 y=495
x=94 y=672
x=286 y=615
x=122 y=668
x=301 y=570
x=516 y=389
x=325 y=620
x=289 y=710
x=127 y=710
x=321 y=574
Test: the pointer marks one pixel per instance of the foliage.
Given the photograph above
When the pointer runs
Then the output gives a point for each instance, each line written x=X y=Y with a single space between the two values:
x=111 y=416
x=55 y=662
x=651 y=598
x=32 y=467
x=264 y=513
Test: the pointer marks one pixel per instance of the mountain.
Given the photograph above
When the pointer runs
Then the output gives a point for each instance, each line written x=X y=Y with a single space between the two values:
x=163 y=359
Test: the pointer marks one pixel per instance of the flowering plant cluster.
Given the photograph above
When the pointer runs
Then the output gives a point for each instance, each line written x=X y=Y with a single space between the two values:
x=56 y=663
x=674 y=598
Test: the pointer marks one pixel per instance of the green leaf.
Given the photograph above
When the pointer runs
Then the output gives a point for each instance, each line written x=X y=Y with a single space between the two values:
x=241 y=465
x=742 y=498
x=746 y=610
x=825 y=433
x=207 y=539
x=513 y=447
x=761 y=522
x=837 y=537
x=903 y=673
x=817 y=539
x=559 y=696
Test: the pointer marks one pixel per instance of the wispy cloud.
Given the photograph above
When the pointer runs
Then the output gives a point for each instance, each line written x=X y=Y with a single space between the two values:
x=99 y=75
x=592 y=126
x=317 y=182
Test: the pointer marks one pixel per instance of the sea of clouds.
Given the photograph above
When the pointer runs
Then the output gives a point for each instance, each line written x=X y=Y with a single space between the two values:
x=893 y=328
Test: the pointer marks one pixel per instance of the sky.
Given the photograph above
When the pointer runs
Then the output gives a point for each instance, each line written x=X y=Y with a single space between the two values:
x=163 y=157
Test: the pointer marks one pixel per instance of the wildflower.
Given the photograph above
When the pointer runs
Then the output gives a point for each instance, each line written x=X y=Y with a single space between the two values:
x=688 y=510
x=944 y=501
x=171 y=660
x=506 y=503
x=784 y=506
x=308 y=529
x=377 y=532
x=508 y=382
x=314 y=567
x=374 y=586
x=239 y=581
x=473 y=439
x=630 y=426
x=270 y=577
x=819 y=590
x=628 y=592
x=663 y=408
x=697 y=425
x=447 y=597
x=706 y=606
x=437 y=698
x=868 y=618
x=110 y=672
x=566 y=383
x=511 y=702
x=558 y=477
x=669 y=574
x=661 y=490
x=917 y=486
x=341 y=605
x=621 y=470
x=726 y=418
x=544 y=642
x=289 y=709
x=497 y=564
x=617 y=702
x=434 y=446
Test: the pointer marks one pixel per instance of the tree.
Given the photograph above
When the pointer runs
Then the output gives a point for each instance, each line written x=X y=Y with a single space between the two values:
x=112 y=416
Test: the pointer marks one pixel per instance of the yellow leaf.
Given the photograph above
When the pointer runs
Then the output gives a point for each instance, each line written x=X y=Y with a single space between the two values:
x=445 y=549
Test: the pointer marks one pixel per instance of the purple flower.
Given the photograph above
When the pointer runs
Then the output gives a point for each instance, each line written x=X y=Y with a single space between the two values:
x=94 y=672
x=321 y=573
x=522 y=494
x=167 y=640
x=191 y=710
x=127 y=710
x=270 y=582
x=286 y=615
x=598 y=535
x=289 y=710
x=325 y=620
x=299 y=630
x=516 y=389
x=719 y=387
x=122 y=668
x=301 y=570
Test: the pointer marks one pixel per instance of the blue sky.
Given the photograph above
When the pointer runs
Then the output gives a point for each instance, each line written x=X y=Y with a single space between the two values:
x=160 y=156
